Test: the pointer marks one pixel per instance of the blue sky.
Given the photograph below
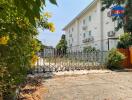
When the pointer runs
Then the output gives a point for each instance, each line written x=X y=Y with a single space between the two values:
x=61 y=16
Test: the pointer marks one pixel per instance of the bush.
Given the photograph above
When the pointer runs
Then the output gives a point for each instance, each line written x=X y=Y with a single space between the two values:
x=89 y=49
x=125 y=41
x=114 y=59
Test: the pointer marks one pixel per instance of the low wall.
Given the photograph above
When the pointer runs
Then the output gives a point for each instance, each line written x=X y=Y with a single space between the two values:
x=130 y=49
x=126 y=62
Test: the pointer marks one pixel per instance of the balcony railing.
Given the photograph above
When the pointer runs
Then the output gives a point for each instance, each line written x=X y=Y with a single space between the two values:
x=84 y=27
x=89 y=39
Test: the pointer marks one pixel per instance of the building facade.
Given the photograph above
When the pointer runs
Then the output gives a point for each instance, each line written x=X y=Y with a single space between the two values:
x=92 y=27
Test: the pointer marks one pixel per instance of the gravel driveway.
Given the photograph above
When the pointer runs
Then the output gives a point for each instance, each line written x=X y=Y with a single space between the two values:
x=105 y=86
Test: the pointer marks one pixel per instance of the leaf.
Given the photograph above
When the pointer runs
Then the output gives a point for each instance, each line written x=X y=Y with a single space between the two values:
x=53 y=2
x=43 y=2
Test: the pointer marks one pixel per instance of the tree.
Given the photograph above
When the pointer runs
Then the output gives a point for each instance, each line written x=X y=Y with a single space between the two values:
x=126 y=20
x=42 y=46
x=62 y=45
x=125 y=41
x=19 y=20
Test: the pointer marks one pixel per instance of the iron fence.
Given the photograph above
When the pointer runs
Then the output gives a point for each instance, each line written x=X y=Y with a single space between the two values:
x=71 y=61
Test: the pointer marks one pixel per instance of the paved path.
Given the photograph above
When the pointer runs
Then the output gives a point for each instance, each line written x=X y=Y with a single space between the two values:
x=107 y=86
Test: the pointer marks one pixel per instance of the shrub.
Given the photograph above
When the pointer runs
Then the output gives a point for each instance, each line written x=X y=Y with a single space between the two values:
x=89 y=49
x=125 y=41
x=114 y=59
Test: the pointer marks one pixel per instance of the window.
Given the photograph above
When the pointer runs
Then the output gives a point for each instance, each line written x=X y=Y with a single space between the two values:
x=70 y=35
x=70 y=45
x=84 y=22
x=72 y=39
x=89 y=18
x=109 y=14
x=89 y=33
x=69 y=41
x=84 y=35
x=72 y=29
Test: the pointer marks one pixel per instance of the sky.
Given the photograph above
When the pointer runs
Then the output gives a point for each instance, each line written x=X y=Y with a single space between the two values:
x=61 y=16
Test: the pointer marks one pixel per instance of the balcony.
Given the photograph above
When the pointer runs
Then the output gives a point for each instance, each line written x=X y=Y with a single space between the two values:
x=70 y=35
x=84 y=27
x=89 y=39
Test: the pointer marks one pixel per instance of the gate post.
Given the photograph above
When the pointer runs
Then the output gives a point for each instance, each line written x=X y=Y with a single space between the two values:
x=130 y=49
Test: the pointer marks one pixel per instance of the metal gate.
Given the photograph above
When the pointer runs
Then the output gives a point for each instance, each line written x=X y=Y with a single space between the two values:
x=71 y=61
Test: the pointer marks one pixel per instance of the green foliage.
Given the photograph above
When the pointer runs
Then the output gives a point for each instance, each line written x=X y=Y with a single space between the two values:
x=53 y=1
x=62 y=45
x=19 y=20
x=114 y=59
x=108 y=3
x=31 y=8
x=89 y=49
x=42 y=46
x=125 y=41
x=126 y=20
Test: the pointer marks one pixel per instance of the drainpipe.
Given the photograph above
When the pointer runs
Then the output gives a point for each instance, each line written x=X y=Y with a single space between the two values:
x=78 y=36
x=102 y=33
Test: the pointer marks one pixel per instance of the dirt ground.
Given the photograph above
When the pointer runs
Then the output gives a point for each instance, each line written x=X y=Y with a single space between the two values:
x=104 y=86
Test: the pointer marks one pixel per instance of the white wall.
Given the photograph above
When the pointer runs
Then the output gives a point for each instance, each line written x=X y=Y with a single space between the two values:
x=72 y=30
x=100 y=24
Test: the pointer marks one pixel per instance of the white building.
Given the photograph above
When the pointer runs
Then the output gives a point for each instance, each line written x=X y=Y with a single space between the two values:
x=92 y=27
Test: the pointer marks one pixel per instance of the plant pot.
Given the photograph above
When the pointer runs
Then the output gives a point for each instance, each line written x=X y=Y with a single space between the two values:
x=126 y=62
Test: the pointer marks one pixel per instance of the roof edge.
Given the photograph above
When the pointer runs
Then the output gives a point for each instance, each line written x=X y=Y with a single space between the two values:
x=80 y=14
